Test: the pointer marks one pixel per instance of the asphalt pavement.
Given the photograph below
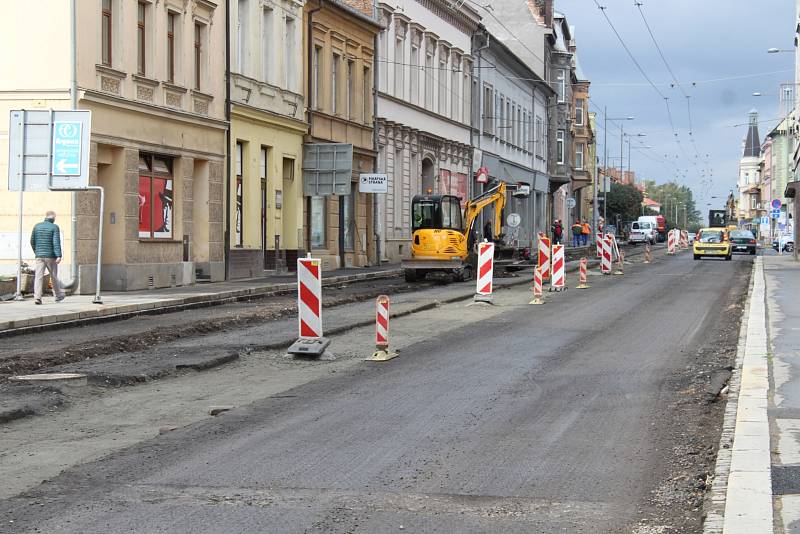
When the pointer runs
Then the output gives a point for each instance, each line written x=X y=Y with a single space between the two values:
x=557 y=418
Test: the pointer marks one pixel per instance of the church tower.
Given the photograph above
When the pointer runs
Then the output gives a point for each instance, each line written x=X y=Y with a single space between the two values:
x=749 y=180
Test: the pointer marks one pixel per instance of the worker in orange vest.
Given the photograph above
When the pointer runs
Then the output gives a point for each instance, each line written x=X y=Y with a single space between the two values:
x=587 y=230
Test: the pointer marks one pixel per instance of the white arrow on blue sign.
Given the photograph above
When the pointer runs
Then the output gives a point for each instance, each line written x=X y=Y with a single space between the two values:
x=775 y=214
x=67 y=148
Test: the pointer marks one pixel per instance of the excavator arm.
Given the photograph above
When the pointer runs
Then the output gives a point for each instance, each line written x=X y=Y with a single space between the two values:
x=496 y=195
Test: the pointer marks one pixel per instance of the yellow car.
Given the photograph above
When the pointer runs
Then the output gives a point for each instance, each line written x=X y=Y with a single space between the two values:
x=712 y=242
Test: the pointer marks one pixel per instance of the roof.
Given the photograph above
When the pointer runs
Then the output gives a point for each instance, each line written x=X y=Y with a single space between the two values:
x=752 y=146
x=651 y=202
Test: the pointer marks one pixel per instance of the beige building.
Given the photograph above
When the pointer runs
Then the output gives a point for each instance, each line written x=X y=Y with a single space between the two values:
x=339 y=84
x=152 y=73
x=267 y=129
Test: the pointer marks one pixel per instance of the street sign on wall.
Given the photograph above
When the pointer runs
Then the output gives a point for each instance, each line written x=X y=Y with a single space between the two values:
x=373 y=183
x=48 y=149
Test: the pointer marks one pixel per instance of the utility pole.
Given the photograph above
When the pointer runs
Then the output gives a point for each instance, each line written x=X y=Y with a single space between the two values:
x=606 y=185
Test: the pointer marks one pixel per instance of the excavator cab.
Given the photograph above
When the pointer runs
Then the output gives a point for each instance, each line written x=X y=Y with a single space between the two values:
x=437 y=224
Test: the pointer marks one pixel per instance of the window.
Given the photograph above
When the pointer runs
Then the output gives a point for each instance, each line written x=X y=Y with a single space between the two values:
x=488 y=111
x=429 y=79
x=351 y=89
x=399 y=60
x=414 y=74
x=455 y=76
x=397 y=187
x=242 y=49
x=539 y=140
x=561 y=81
x=579 y=152
x=349 y=211
x=266 y=44
x=560 y=147
x=289 y=61
x=442 y=77
x=753 y=201
x=383 y=54
x=239 y=238
x=509 y=122
x=317 y=215
x=466 y=98
x=107 y=30
x=262 y=163
x=498 y=115
x=155 y=197
x=171 y=47
x=335 y=83
x=579 y=104
x=141 y=38
x=315 y=60
x=367 y=97
x=199 y=36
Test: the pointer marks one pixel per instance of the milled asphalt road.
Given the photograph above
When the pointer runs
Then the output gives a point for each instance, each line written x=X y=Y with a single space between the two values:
x=542 y=419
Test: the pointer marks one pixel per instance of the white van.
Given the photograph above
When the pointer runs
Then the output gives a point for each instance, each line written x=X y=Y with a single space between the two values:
x=642 y=232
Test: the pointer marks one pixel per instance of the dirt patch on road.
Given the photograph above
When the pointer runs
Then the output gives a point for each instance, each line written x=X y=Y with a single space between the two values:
x=695 y=415
x=179 y=325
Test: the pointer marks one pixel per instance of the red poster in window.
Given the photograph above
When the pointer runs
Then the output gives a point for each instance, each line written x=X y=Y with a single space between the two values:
x=461 y=182
x=162 y=208
x=145 y=226
x=444 y=181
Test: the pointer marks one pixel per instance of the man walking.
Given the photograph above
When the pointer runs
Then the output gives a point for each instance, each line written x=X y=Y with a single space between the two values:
x=46 y=244
x=577 y=229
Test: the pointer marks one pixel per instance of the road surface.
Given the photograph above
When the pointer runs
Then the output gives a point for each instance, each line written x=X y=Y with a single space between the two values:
x=587 y=414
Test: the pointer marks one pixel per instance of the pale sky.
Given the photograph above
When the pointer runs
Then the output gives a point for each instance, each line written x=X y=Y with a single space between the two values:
x=702 y=40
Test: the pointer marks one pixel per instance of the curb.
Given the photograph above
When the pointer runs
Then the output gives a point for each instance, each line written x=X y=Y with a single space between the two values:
x=126 y=311
x=741 y=495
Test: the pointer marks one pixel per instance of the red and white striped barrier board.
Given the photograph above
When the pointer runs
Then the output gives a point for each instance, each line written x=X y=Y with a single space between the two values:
x=309 y=297
x=537 y=286
x=606 y=258
x=598 y=243
x=382 y=321
x=684 y=239
x=485 y=271
x=671 y=242
x=558 y=279
x=544 y=257
x=582 y=275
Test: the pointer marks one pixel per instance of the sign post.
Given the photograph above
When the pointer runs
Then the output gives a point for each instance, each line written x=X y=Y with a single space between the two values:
x=49 y=151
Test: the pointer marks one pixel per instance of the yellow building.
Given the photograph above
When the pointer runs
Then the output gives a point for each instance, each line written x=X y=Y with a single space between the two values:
x=152 y=73
x=267 y=127
x=339 y=74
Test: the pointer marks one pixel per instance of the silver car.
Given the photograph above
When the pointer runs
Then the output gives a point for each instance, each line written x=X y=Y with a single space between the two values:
x=642 y=232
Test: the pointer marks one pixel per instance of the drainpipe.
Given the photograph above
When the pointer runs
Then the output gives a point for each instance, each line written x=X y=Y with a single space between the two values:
x=73 y=95
x=309 y=89
x=376 y=223
x=228 y=159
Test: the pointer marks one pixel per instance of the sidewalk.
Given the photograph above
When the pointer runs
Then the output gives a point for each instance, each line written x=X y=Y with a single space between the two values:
x=757 y=480
x=783 y=311
x=25 y=315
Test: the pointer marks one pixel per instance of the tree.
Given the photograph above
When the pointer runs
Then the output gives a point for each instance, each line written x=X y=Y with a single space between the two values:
x=677 y=204
x=624 y=203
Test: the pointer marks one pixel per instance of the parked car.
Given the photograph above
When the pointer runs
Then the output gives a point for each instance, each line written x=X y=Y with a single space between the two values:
x=787 y=243
x=642 y=232
x=712 y=242
x=692 y=237
x=659 y=224
x=743 y=241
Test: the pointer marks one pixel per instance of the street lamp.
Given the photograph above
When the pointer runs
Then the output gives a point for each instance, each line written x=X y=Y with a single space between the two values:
x=778 y=50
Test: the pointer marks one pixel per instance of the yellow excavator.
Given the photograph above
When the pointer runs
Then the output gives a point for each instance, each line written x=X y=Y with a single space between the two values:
x=440 y=242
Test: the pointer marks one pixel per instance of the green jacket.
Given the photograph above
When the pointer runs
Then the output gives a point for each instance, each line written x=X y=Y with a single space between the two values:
x=46 y=240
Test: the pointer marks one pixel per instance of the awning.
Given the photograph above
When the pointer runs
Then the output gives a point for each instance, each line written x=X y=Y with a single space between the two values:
x=512 y=173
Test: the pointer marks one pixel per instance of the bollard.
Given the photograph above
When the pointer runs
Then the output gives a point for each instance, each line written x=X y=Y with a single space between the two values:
x=537 y=286
x=605 y=260
x=544 y=256
x=557 y=281
x=483 y=291
x=620 y=264
x=582 y=274
x=382 y=352
x=309 y=309
x=648 y=255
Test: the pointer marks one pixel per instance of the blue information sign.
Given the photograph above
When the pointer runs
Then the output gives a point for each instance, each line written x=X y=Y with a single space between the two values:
x=775 y=214
x=66 y=148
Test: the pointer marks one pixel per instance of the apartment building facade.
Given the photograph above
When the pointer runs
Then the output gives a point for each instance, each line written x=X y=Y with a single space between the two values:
x=265 y=202
x=152 y=73
x=425 y=91
x=339 y=41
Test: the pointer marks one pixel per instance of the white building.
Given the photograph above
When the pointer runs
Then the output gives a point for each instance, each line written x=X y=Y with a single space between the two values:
x=423 y=112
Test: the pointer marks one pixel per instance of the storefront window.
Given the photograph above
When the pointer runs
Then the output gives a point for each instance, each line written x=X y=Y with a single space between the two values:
x=349 y=220
x=318 y=222
x=239 y=195
x=155 y=197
